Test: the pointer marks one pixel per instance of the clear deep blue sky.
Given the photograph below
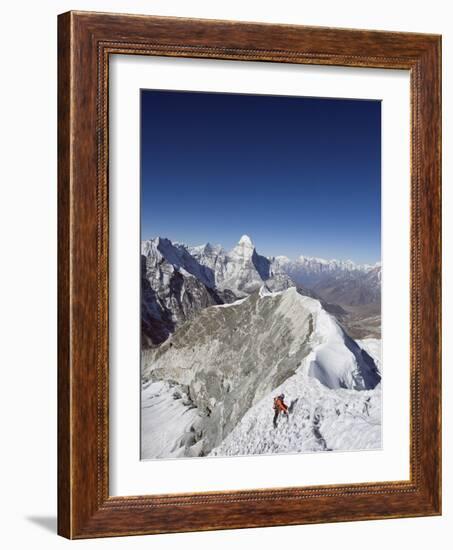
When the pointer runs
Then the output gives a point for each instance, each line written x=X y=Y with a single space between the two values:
x=298 y=175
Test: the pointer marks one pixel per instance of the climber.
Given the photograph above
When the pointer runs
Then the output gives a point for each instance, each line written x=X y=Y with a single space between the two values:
x=280 y=407
x=366 y=406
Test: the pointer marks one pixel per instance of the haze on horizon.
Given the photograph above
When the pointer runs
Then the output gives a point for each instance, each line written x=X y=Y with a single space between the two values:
x=300 y=176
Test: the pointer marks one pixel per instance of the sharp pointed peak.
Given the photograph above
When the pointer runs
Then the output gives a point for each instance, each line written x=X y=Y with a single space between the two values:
x=246 y=240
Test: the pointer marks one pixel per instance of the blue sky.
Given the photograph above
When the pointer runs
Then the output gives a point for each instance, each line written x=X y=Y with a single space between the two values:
x=298 y=175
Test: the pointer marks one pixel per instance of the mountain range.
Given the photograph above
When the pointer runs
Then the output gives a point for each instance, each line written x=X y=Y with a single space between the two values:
x=342 y=282
x=179 y=280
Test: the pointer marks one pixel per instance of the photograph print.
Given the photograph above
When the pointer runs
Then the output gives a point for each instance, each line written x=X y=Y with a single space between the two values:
x=260 y=274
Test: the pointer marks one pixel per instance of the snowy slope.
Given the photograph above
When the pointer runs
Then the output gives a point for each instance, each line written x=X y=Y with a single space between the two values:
x=320 y=420
x=231 y=357
x=169 y=422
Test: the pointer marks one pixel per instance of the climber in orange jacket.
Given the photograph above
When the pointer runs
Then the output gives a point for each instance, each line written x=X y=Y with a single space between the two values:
x=279 y=407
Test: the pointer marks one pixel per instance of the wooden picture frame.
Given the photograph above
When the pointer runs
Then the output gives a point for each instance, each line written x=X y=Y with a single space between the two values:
x=85 y=42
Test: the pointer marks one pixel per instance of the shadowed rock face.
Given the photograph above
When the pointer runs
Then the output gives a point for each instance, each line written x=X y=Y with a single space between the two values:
x=156 y=320
x=174 y=288
x=262 y=265
x=229 y=357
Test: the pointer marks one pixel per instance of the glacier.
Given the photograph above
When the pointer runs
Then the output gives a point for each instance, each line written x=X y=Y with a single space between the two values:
x=320 y=420
x=208 y=389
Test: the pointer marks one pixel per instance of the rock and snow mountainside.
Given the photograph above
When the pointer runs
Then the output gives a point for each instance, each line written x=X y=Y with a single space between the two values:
x=174 y=288
x=320 y=420
x=241 y=270
x=209 y=387
x=179 y=281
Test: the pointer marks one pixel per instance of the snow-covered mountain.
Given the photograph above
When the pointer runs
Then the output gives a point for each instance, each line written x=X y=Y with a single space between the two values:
x=174 y=288
x=214 y=379
x=241 y=270
x=178 y=281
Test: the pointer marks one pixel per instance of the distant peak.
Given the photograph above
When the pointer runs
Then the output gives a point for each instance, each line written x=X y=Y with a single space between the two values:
x=244 y=249
x=162 y=241
x=245 y=240
x=210 y=248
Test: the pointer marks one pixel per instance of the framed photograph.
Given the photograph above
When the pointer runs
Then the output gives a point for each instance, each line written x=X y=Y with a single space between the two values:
x=249 y=275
